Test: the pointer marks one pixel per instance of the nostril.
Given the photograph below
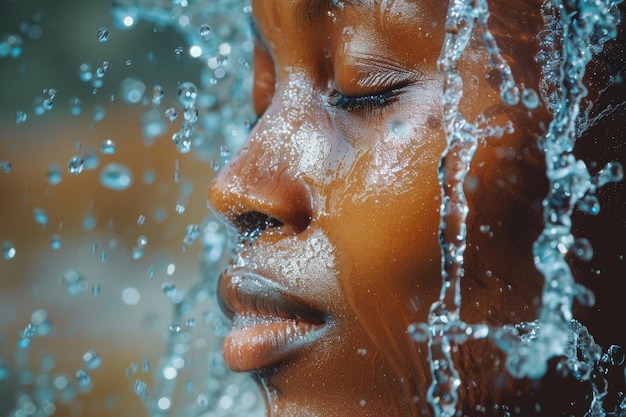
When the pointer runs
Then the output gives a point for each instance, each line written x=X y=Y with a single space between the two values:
x=252 y=223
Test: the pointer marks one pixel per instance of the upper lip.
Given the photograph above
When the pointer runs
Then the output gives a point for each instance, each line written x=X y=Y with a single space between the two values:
x=248 y=292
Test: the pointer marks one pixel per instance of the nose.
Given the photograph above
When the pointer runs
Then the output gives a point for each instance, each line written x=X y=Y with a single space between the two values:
x=260 y=188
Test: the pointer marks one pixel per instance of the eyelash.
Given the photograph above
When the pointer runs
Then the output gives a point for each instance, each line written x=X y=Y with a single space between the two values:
x=367 y=102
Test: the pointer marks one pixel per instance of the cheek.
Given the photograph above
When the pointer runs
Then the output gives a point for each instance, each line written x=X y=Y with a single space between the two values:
x=385 y=226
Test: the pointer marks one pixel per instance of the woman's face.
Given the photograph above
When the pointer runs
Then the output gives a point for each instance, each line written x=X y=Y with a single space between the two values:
x=337 y=195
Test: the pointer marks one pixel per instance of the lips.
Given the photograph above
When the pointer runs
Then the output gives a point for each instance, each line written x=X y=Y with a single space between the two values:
x=269 y=323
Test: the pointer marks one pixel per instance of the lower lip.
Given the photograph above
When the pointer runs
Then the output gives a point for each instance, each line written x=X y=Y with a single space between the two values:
x=258 y=342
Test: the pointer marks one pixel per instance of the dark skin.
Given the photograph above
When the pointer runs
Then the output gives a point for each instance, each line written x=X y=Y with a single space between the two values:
x=338 y=186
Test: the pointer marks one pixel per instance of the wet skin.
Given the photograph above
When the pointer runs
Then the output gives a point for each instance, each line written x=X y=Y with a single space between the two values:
x=337 y=191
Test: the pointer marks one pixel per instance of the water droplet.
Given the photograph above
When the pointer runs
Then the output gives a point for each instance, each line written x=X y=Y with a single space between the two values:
x=142 y=241
x=399 y=127
x=191 y=322
x=116 y=176
x=75 y=106
x=169 y=288
x=175 y=328
x=585 y=296
x=171 y=114
x=510 y=94
x=152 y=125
x=85 y=72
x=41 y=216
x=130 y=296
x=89 y=222
x=132 y=90
x=191 y=114
x=55 y=242
x=612 y=172
x=76 y=165
x=98 y=113
x=20 y=117
x=202 y=401
x=224 y=151
x=83 y=379
x=589 y=204
x=91 y=159
x=74 y=282
x=530 y=98
x=5 y=166
x=192 y=232
x=616 y=355
x=582 y=249
x=137 y=253
x=187 y=94
x=92 y=359
x=96 y=290
x=8 y=250
x=54 y=174
x=178 y=50
x=103 y=34
x=157 y=94
x=182 y=142
x=140 y=389
x=141 y=220
x=108 y=147
x=205 y=31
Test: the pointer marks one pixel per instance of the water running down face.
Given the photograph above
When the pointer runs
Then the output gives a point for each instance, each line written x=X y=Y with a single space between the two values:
x=337 y=192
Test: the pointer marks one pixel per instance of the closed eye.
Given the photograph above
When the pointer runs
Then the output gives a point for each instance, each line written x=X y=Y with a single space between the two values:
x=371 y=101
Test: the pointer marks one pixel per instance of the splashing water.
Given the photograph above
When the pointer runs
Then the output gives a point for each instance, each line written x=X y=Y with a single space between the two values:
x=570 y=185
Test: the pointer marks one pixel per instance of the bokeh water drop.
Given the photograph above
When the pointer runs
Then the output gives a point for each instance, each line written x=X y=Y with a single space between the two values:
x=92 y=359
x=8 y=250
x=85 y=72
x=74 y=282
x=192 y=232
x=54 y=174
x=187 y=94
x=75 y=106
x=55 y=242
x=132 y=90
x=108 y=147
x=20 y=117
x=41 y=216
x=131 y=296
x=169 y=289
x=157 y=94
x=115 y=176
x=5 y=166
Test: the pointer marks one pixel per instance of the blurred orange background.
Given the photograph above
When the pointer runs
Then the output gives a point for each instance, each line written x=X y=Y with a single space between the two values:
x=57 y=38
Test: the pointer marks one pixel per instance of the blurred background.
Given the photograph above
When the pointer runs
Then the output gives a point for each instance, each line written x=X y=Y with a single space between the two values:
x=109 y=252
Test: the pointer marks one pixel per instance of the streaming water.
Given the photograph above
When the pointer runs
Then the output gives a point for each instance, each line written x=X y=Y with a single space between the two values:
x=577 y=31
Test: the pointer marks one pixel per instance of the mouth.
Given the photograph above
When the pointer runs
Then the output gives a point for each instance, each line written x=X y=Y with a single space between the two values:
x=269 y=323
